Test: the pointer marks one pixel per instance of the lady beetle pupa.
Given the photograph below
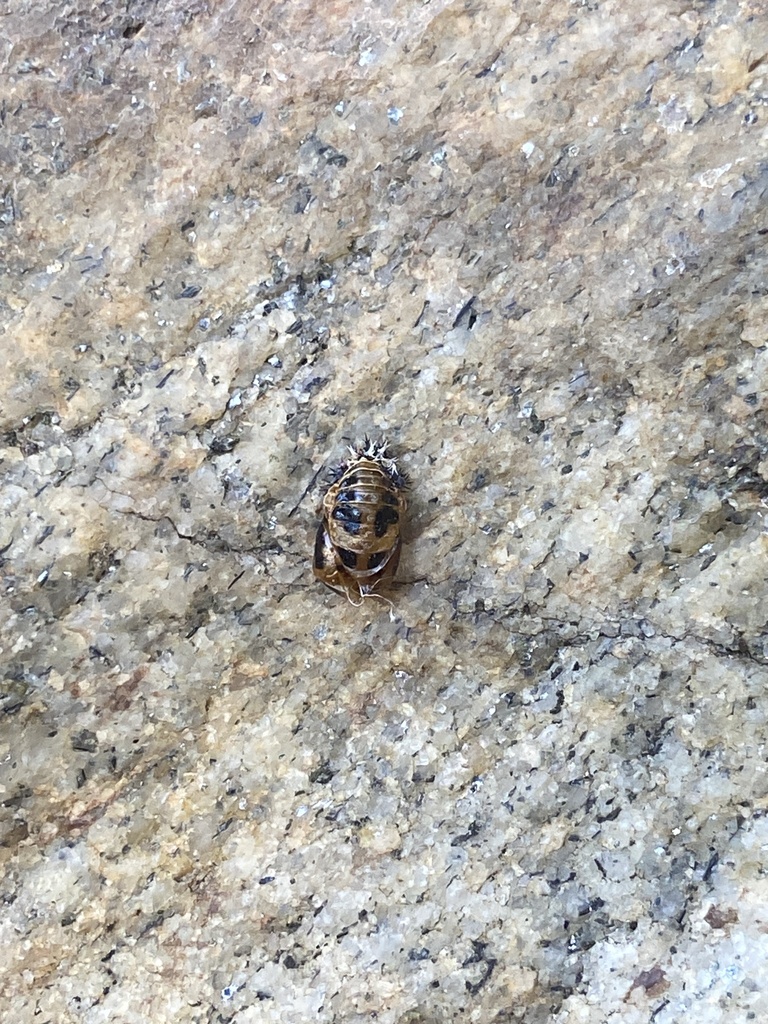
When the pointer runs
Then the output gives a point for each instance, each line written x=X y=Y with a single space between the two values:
x=358 y=541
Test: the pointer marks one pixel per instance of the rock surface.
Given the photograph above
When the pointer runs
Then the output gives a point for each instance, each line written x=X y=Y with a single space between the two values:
x=527 y=243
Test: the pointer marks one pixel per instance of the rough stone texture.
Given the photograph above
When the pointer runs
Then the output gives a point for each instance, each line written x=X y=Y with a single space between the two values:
x=525 y=241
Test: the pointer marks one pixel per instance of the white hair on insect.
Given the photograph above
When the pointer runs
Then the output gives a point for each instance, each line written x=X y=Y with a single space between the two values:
x=375 y=450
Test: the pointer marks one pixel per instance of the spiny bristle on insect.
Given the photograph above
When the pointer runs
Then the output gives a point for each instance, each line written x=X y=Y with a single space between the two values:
x=369 y=449
x=378 y=451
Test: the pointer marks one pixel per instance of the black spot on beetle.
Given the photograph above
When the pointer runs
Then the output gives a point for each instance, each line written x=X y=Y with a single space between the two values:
x=320 y=548
x=345 y=512
x=375 y=560
x=385 y=517
x=349 y=517
x=348 y=558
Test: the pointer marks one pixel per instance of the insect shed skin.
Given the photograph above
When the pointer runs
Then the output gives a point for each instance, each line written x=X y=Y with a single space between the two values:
x=358 y=542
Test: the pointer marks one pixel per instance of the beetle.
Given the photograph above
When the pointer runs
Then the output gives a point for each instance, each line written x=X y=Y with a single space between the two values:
x=358 y=541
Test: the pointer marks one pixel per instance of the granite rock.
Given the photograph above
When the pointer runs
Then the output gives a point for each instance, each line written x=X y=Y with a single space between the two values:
x=524 y=242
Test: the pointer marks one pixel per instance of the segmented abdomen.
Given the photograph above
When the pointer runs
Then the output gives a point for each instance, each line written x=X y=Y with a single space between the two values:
x=363 y=511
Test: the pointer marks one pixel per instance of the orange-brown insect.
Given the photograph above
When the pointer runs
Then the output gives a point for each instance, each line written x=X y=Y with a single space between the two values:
x=358 y=541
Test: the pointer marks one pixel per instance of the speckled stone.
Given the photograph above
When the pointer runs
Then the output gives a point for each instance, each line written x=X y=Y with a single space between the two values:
x=526 y=243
